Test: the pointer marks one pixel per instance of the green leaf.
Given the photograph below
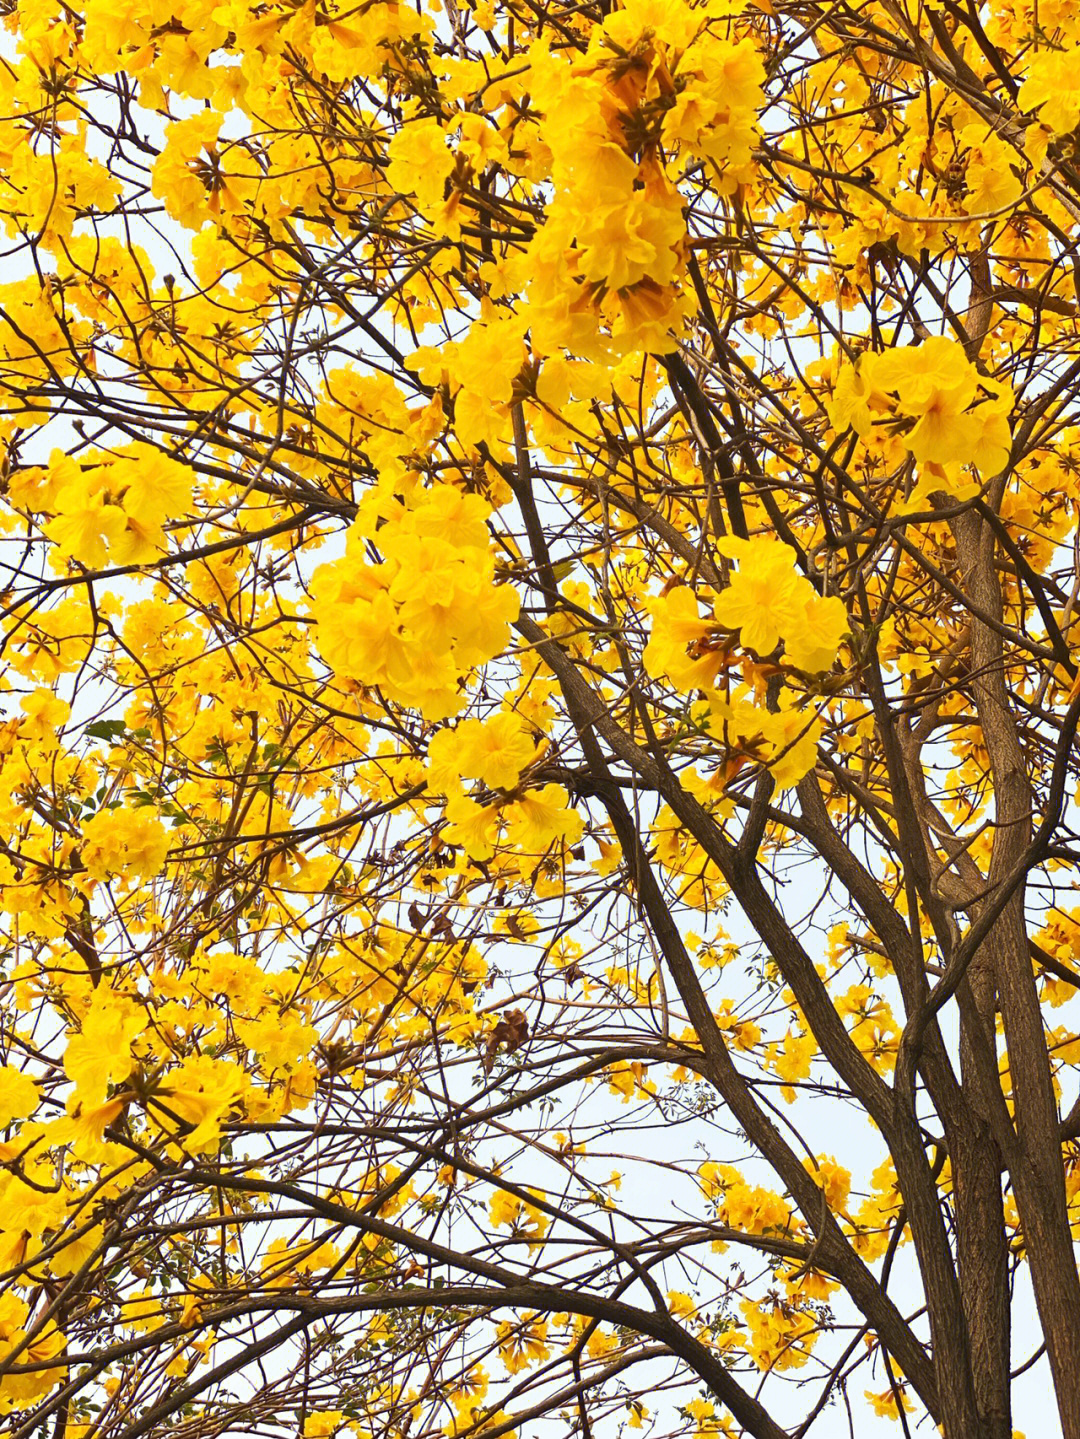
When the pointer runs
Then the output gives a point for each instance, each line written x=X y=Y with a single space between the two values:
x=106 y=729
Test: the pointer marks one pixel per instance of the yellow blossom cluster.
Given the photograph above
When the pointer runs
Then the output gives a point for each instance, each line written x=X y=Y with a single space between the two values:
x=415 y=631
x=931 y=400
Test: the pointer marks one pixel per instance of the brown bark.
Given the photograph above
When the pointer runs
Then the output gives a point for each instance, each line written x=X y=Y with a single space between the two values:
x=1036 y=1170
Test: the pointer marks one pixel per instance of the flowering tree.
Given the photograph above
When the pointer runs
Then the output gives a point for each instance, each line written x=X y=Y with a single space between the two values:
x=538 y=779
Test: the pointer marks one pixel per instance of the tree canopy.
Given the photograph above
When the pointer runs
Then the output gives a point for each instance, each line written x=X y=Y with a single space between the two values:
x=540 y=664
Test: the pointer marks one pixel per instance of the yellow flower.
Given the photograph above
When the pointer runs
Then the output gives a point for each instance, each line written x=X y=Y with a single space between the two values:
x=885 y=1405
x=763 y=599
x=323 y=1423
x=780 y=1335
x=523 y=1218
x=627 y=1078
x=200 y=1094
x=143 y=1311
x=130 y=844
x=540 y=818
x=469 y=1389
x=522 y=1343
x=473 y=826
x=19 y=1391
x=678 y=627
x=418 y=623
x=755 y=1210
x=420 y=161
x=495 y=750
x=101 y=1051
x=944 y=411
x=1051 y=89
x=18 y=1094
x=85 y=1126
x=832 y=1178
x=46 y=713
x=86 y=525
x=76 y=1251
